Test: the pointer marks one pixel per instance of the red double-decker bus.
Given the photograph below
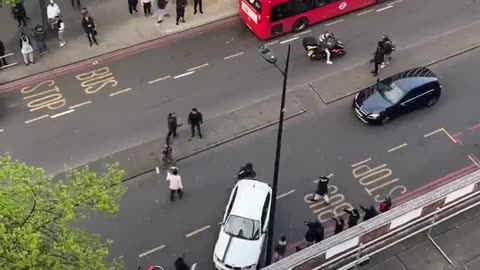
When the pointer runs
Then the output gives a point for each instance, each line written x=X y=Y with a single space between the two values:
x=269 y=18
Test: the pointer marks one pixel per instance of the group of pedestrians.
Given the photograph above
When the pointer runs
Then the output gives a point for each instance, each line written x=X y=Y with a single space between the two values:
x=382 y=54
x=180 y=7
x=195 y=120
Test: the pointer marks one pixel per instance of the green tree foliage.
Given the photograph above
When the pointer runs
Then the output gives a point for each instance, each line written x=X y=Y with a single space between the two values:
x=37 y=217
x=9 y=2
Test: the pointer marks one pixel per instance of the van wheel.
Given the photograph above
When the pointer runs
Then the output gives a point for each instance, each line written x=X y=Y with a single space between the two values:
x=300 y=25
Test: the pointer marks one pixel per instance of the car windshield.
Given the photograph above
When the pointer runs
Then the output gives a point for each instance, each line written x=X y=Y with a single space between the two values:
x=392 y=93
x=242 y=227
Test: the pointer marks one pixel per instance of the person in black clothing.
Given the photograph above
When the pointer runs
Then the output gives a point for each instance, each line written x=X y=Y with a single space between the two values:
x=322 y=189
x=181 y=5
x=370 y=212
x=388 y=49
x=132 y=6
x=20 y=14
x=353 y=217
x=180 y=264
x=378 y=57
x=79 y=5
x=339 y=224
x=315 y=232
x=3 y=61
x=172 y=124
x=281 y=248
x=246 y=171
x=90 y=29
x=197 y=3
x=195 y=120
x=40 y=35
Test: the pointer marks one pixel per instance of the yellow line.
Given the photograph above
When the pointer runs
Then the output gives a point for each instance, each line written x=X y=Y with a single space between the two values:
x=80 y=104
x=160 y=79
x=473 y=160
x=151 y=251
x=285 y=194
x=397 y=147
x=120 y=92
x=363 y=161
x=197 y=231
x=35 y=119
x=198 y=67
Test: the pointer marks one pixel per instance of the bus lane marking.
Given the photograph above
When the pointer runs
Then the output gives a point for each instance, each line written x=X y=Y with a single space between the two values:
x=146 y=253
x=198 y=67
x=365 y=12
x=361 y=162
x=336 y=207
x=61 y=114
x=376 y=178
x=474 y=160
x=80 y=105
x=184 y=74
x=36 y=119
x=285 y=194
x=43 y=95
x=120 y=92
x=474 y=128
x=397 y=147
x=159 y=79
x=440 y=130
x=233 y=55
x=334 y=22
x=188 y=235
x=457 y=136
x=288 y=40
x=303 y=33
x=385 y=8
x=96 y=80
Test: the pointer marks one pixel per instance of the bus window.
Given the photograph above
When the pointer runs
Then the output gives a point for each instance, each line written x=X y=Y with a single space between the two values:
x=301 y=6
x=280 y=12
x=256 y=4
x=321 y=3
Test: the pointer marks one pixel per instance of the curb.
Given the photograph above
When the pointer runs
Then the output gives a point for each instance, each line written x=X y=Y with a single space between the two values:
x=219 y=143
x=11 y=84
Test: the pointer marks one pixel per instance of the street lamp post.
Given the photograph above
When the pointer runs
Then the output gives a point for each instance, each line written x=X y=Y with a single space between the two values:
x=270 y=58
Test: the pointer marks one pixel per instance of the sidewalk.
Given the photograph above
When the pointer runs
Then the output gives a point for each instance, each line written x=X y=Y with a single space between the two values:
x=117 y=30
x=458 y=238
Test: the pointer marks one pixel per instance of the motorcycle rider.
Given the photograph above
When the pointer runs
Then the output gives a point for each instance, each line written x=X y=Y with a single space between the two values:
x=327 y=42
x=246 y=171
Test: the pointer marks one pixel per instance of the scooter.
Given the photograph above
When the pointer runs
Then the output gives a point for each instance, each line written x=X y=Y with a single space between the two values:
x=314 y=52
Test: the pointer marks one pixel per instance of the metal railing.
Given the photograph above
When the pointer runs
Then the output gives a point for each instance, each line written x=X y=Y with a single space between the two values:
x=9 y=63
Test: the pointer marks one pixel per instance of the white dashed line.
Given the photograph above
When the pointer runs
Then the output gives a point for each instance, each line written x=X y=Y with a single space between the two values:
x=285 y=194
x=288 y=40
x=233 y=55
x=2 y=130
x=61 y=114
x=198 y=67
x=272 y=43
x=35 y=119
x=397 y=1
x=441 y=130
x=120 y=92
x=184 y=74
x=385 y=8
x=302 y=33
x=361 y=162
x=474 y=160
x=432 y=133
x=197 y=231
x=160 y=79
x=80 y=105
x=365 y=12
x=335 y=22
x=397 y=147
x=146 y=253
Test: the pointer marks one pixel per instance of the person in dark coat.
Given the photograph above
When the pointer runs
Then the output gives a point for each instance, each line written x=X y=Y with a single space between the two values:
x=353 y=217
x=89 y=27
x=195 y=120
x=281 y=248
x=370 y=212
x=339 y=224
x=315 y=232
x=162 y=5
x=40 y=35
x=20 y=14
x=3 y=61
x=378 y=57
x=132 y=6
x=197 y=3
x=181 y=5
x=322 y=189
x=388 y=49
x=172 y=124
x=180 y=264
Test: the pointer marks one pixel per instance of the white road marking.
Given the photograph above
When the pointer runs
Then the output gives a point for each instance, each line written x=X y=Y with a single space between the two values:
x=288 y=40
x=197 y=231
x=146 y=253
x=397 y=1
x=335 y=22
x=198 y=67
x=397 y=147
x=272 y=43
x=365 y=12
x=2 y=130
x=432 y=133
x=318 y=180
x=80 y=104
x=474 y=160
x=184 y=74
x=120 y=92
x=449 y=136
x=160 y=79
x=233 y=55
x=303 y=33
x=385 y=8
x=35 y=119
x=441 y=130
x=62 y=113
x=285 y=194
x=361 y=162
x=220 y=223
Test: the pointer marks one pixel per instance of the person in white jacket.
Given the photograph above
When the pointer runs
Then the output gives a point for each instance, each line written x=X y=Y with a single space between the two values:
x=175 y=183
x=53 y=11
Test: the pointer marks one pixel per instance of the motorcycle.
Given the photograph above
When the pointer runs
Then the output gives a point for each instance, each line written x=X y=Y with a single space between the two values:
x=315 y=52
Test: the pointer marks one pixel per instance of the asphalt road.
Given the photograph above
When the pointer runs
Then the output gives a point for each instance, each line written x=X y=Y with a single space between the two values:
x=121 y=105
x=415 y=152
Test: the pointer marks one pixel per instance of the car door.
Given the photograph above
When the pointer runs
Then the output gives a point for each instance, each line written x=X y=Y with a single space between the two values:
x=411 y=101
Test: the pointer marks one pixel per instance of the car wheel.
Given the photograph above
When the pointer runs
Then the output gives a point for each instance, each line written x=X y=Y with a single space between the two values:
x=432 y=101
x=385 y=120
x=300 y=24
